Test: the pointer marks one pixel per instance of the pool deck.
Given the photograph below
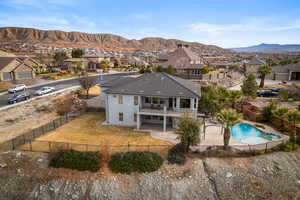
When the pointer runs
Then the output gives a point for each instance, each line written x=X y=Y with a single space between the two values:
x=214 y=135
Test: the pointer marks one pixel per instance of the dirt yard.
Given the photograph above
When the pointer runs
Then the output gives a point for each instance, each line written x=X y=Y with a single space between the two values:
x=88 y=129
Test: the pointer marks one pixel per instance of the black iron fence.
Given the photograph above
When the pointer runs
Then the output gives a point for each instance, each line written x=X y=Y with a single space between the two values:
x=37 y=132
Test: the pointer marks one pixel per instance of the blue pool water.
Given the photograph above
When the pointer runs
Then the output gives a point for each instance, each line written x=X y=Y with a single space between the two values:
x=250 y=134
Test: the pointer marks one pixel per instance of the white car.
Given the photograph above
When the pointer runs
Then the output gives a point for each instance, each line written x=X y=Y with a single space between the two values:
x=17 y=88
x=44 y=90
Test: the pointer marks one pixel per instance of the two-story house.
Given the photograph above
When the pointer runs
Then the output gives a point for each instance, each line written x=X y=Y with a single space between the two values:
x=152 y=98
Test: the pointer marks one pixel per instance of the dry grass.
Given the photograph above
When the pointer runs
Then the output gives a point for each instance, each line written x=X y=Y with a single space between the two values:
x=95 y=91
x=87 y=129
x=275 y=86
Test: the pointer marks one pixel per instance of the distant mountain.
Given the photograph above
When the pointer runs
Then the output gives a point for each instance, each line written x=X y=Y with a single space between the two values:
x=269 y=48
x=85 y=40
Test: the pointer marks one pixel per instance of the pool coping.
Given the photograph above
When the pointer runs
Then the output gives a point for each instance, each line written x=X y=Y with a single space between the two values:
x=268 y=129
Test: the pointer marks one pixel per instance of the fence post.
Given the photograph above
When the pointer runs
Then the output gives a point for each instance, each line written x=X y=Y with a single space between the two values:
x=30 y=145
x=266 y=147
x=53 y=124
x=13 y=144
x=49 y=146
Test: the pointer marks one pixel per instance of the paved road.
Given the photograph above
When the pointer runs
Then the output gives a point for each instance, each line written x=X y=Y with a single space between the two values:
x=63 y=85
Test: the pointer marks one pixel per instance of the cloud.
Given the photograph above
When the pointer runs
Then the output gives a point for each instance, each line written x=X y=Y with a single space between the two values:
x=41 y=4
x=253 y=26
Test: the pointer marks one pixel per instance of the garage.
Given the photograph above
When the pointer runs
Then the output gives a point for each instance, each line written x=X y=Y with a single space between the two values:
x=7 y=76
x=24 y=75
x=295 y=76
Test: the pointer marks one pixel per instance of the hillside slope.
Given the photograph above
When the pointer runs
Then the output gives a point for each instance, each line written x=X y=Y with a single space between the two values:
x=79 y=39
x=270 y=48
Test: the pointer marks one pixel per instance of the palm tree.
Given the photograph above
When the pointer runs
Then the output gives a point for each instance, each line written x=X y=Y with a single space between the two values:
x=264 y=70
x=294 y=117
x=228 y=117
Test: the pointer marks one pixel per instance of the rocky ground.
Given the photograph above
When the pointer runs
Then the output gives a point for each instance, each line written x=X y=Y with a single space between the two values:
x=272 y=176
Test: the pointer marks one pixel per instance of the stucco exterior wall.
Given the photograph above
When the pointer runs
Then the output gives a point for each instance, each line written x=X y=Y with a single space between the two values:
x=127 y=108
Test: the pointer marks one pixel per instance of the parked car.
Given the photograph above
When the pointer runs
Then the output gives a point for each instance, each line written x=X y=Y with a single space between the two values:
x=17 y=88
x=44 y=90
x=267 y=93
x=18 y=97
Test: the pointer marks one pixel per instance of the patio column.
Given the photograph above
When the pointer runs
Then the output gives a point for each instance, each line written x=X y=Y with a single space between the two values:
x=138 y=119
x=165 y=119
x=178 y=103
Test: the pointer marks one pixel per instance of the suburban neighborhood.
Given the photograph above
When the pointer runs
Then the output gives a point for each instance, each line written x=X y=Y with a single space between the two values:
x=90 y=113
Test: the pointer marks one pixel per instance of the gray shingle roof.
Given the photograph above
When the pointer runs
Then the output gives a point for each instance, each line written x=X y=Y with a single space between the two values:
x=255 y=61
x=159 y=85
x=116 y=81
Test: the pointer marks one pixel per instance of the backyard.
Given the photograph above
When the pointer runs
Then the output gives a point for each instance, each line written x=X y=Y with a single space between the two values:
x=88 y=130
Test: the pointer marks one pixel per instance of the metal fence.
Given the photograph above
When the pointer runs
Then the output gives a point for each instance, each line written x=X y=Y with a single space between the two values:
x=50 y=146
x=37 y=132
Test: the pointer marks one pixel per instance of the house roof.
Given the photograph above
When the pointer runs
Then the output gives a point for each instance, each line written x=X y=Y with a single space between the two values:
x=115 y=82
x=75 y=60
x=157 y=84
x=181 y=59
x=255 y=61
x=4 y=61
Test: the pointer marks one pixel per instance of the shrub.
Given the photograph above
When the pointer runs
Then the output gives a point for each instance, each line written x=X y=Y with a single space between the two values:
x=76 y=160
x=176 y=154
x=135 y=161
x=289 y=146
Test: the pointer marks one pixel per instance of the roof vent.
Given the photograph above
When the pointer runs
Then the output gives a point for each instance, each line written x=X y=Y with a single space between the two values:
x=180 y=92
x=158 y=92
x=141 y=91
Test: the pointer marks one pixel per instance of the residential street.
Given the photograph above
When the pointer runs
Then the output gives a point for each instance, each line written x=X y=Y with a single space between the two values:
x=59 y=85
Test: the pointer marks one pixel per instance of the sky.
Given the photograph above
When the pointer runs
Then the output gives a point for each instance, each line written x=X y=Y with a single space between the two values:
x=226 y=23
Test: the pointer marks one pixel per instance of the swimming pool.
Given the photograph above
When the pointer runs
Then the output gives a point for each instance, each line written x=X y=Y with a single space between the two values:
x=249 y=134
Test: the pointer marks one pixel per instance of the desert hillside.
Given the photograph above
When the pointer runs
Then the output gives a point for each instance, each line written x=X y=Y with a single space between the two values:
x=78 y=39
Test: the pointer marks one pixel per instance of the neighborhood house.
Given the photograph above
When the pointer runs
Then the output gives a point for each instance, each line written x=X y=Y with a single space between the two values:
x=152 y=98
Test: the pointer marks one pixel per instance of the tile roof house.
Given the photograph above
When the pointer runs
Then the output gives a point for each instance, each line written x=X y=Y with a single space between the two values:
x=152 y=98
x=251 y=66
x=186 y=63
x=12 y=68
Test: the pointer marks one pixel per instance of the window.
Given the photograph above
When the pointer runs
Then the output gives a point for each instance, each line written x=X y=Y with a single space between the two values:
x=185 y=103
x=120 y=117
x=120 y=99
x=195 y=103
x=136 y=100
x=155 y=100
x=135 y=117
x=147 y=100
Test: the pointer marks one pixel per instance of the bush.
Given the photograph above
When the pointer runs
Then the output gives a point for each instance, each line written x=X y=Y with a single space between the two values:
x=76 y=160
x=135 y=161
x=289 y=146
x=176 y=154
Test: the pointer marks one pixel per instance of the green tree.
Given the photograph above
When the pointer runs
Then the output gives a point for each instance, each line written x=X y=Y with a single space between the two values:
x=77 y=53
x=249 y=87
x=293 y=116
x=234 y=96
x=280 y=112
x=78 y=64
x=104 y=64
x=284 y=95
x=188 y=131
x=264 y=70
x=268 y=111
x=59 y=58
x=205 y=69
x=170 y=70
x=159 y=69
x=229 y=118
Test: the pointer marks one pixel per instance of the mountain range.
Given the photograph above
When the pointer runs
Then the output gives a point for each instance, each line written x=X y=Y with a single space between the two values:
x=269 y=48
x=89 y=40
